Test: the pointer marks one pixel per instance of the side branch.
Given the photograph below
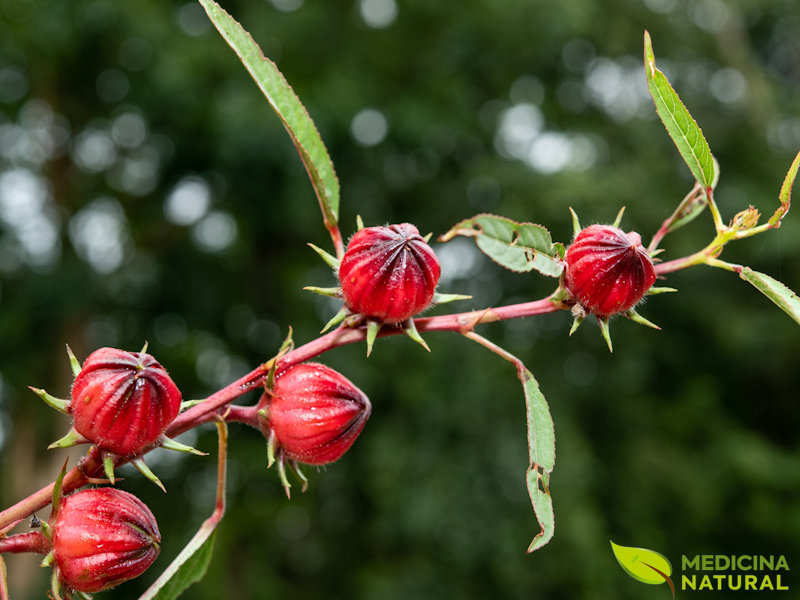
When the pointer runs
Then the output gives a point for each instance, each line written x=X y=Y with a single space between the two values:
x=91 y=466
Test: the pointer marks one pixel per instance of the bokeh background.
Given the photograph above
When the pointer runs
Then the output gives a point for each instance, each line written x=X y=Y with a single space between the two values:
x=147 y=192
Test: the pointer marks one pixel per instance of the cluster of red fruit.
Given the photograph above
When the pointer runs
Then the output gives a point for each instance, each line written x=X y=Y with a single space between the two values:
x=123 y=402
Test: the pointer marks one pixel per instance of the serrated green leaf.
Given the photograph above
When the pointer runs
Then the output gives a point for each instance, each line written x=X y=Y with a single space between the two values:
x=520 y=247
x=542 y=458
x=643 y=564
x=776 y=291
x=287 y=105
x=681 y=127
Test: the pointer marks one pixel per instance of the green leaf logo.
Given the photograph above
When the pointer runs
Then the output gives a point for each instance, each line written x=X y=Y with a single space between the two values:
x=644 y=565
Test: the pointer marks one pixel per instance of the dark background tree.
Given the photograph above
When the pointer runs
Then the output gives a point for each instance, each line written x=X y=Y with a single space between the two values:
x=148 y=192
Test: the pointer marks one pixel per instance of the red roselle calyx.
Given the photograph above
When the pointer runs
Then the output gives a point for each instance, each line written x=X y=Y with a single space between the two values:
x=607 y=270
x=123 y=401
x=314 y=413
x=388 y=273
x=103 y=537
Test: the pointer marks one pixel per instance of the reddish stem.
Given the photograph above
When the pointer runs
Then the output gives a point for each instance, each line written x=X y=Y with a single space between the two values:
x=92 y=466
x=33 y=541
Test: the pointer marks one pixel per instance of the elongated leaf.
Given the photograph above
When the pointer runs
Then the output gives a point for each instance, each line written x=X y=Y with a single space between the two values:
x=785 y=195
x=773 y=289
x=682 y=128
x=542 y=458
x=520 y=247
x=287 y=105
x=192 y=562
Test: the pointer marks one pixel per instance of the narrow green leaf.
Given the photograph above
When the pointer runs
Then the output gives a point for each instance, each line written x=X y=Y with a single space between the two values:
x=192 y=562
x=776 y=291
x=520 y=247
x=191 y=571
x=287 y=105
x=681 y=127
x=542 y=458
x=785 y=195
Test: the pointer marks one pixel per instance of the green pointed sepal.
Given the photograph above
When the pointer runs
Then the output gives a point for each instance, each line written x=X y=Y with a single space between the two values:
x=56 y=500
x=142 y=467
x=331 y=292
x=618 y=219
x=445 y=298
x=654 y=291
x=359 y=223
x=373 y=327
x=637 y=318
x=300 y=475
x=576 y=224
x=170 y=444
x=73 y=362
x=73 y=438
x=145 y=347
x=48 y=559
x=108 y=466
x=190 y=403
x=286 y=346
x=428 y=237
x=329 y=258
x=411 y=331
x=60 y=405
x=337 y=318
x=272 y=446
x=603 y=323
x=282 y=475
x=576 y=323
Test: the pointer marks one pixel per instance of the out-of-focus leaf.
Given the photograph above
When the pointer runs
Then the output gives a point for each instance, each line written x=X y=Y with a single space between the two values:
x=785 y=195
x=287 y=105
x=542 y=457
x=776 y=291
x=642 y=564
x=681 y=127
x=520 y=247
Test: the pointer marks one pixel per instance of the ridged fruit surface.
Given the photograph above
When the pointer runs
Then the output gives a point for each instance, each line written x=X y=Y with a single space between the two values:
x=123 y=401
x=103 y=537
x=316 y=413
x=608 y=271
x=389 y=273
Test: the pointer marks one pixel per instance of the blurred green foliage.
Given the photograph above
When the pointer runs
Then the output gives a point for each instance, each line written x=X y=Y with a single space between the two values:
x=147 y=192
